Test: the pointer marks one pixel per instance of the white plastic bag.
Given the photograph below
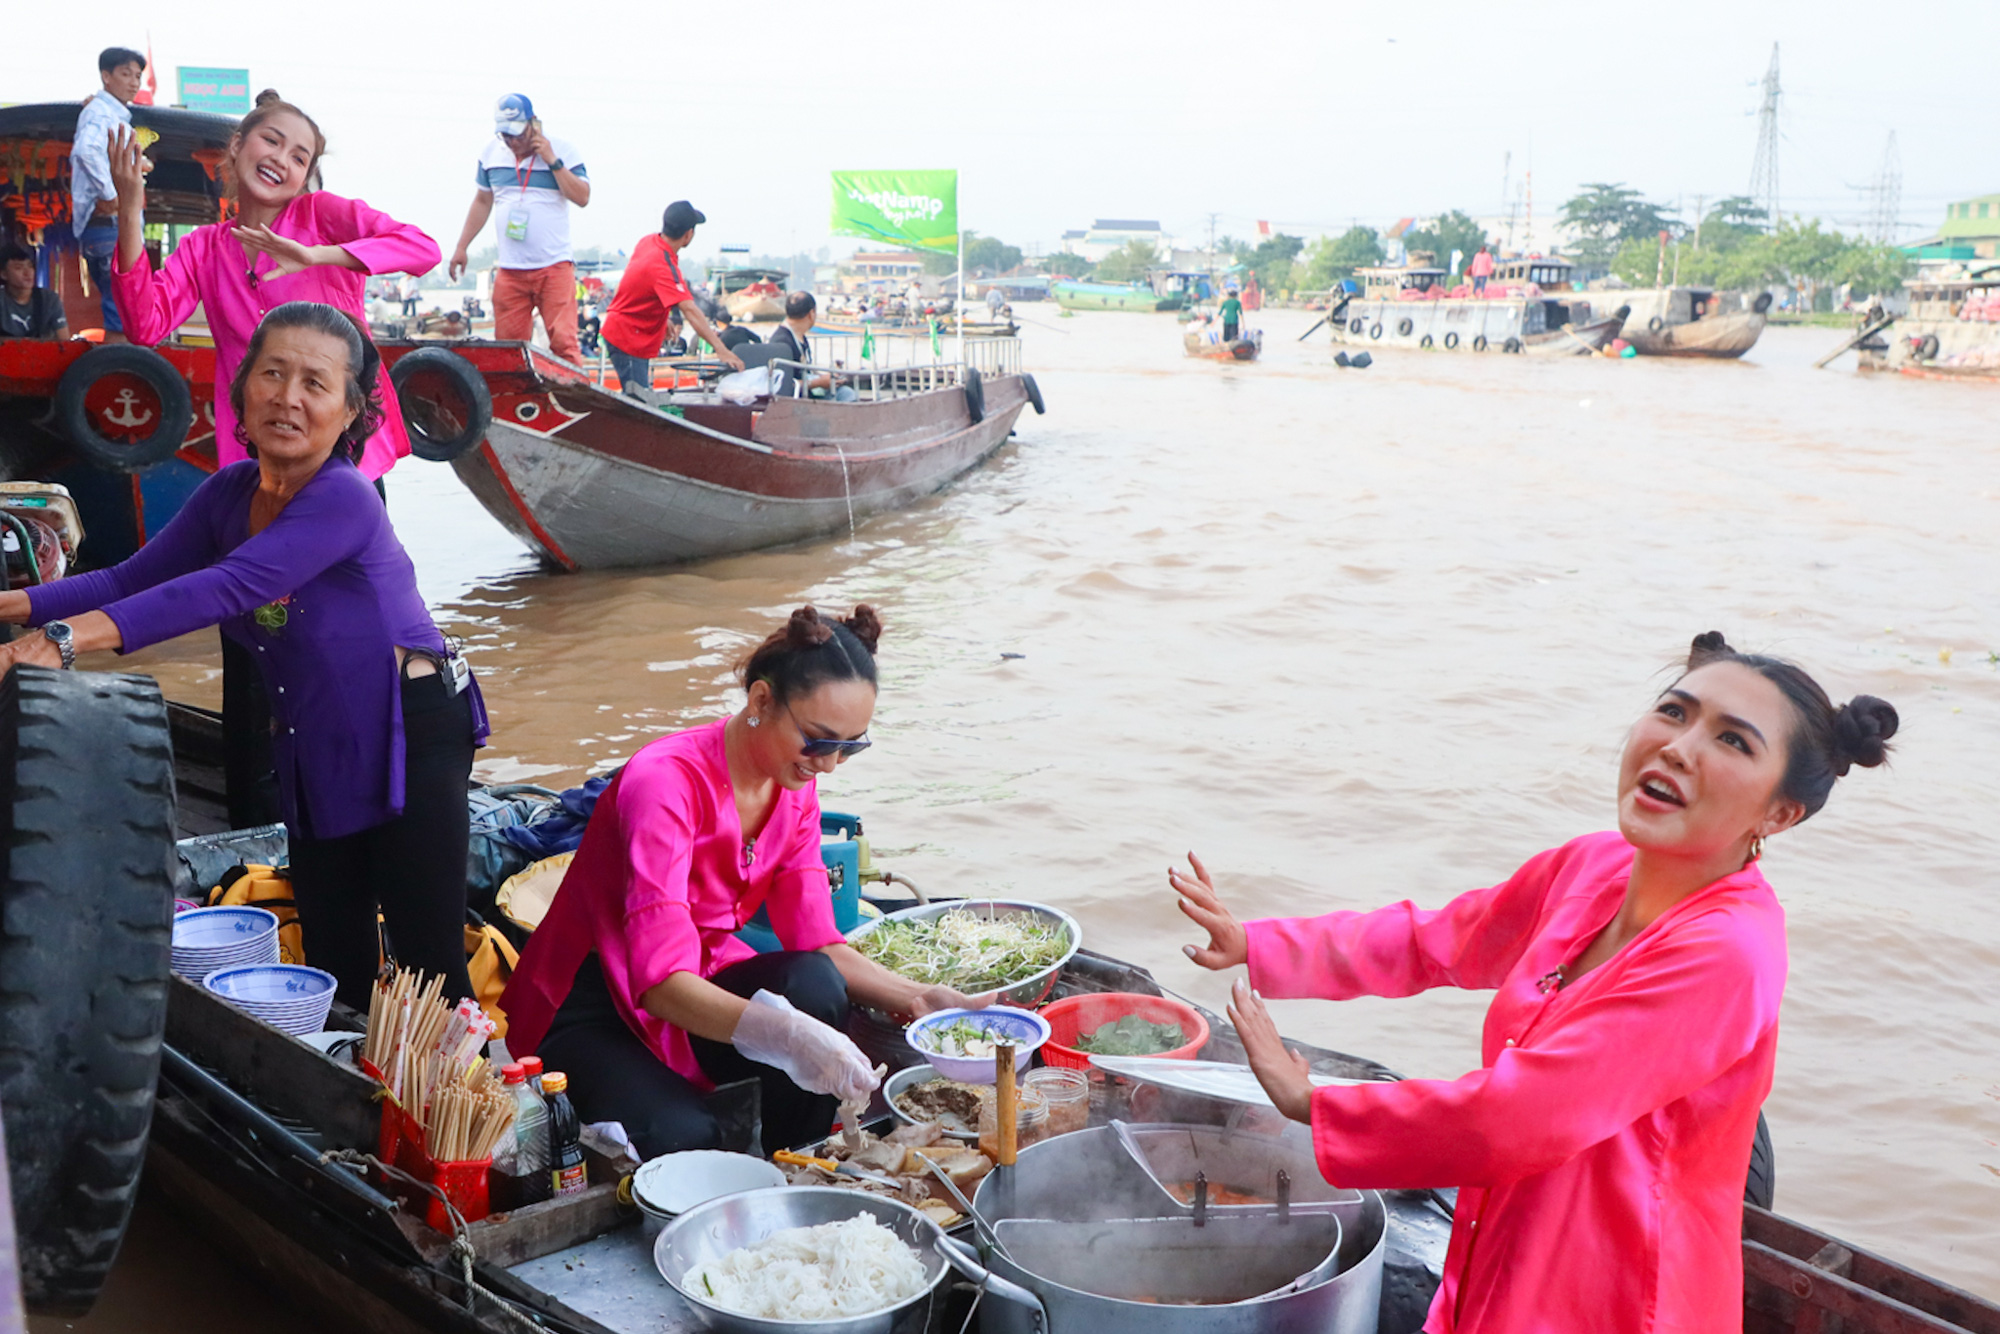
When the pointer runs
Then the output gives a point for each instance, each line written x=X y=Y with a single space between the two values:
x=747 y=386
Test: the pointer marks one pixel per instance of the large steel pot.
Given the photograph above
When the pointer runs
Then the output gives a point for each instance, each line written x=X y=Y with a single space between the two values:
x=1245 y=1272
x=710 y=1231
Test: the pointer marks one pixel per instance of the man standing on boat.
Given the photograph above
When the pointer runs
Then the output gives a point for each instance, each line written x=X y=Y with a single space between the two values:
x=1480 y=269
x=93 y=198
x=1231 y=311
x=535 y=180
x=651 y=289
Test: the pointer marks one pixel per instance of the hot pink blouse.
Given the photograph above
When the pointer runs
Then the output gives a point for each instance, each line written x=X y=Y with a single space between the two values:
x=208 y=267
x=1600 y=1153
x=661 y=884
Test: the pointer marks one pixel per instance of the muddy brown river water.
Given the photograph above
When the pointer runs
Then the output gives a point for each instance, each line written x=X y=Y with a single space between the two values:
x=1357 y=636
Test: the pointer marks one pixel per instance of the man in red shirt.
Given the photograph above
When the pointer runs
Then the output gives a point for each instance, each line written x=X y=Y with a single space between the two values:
x=637 y=321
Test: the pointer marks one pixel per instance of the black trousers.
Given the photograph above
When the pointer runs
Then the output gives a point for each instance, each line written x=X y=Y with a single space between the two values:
x=412 y=867
x=613 y=1076
x=248 y=775
x=1229 y=331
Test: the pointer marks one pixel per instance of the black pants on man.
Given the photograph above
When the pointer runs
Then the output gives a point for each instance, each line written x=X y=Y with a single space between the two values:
x=613 y=1076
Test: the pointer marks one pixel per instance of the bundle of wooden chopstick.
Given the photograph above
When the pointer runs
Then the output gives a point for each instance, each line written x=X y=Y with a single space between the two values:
x=431 y=1058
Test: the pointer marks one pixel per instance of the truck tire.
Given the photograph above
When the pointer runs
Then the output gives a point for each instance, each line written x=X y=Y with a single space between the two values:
x=127 y=375
x=437 y=388
x=85 y=921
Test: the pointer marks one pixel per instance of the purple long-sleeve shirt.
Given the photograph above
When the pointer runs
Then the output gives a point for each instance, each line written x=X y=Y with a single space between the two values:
x=339 y=595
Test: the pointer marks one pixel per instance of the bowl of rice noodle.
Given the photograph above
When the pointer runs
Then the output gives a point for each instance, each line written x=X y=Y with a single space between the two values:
x=804 y=1260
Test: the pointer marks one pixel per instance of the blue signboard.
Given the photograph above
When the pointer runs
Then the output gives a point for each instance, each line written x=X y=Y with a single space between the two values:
x=225 y=92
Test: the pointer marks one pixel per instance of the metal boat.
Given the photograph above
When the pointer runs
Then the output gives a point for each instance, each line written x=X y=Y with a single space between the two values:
x=1529 y=306
x=591 y=479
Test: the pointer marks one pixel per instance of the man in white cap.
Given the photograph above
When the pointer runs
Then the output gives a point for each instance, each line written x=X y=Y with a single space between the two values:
x=534 y=179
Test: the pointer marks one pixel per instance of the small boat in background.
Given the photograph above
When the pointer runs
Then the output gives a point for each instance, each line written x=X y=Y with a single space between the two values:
x=753 y=295
x=1529 y=305
x=1203 y=339
x=1075 y=294
x=1693 y=321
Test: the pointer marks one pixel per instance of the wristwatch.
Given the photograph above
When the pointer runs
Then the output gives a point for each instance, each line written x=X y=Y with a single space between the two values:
x=557 y=165
x=59 y=634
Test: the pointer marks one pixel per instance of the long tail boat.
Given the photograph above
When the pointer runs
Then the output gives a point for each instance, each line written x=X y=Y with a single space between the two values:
x=589 y=478
x=259 y=1140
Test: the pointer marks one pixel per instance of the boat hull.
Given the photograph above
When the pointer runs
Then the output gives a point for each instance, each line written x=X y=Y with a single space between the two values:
x=1935 y=349
x=1236 y=349
x=1108 y=296
x=1658 y=324
x=593 y=480
x=1469 y=325
x=754 y=308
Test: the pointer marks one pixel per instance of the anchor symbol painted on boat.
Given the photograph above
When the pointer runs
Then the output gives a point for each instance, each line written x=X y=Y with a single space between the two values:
x=126 y=417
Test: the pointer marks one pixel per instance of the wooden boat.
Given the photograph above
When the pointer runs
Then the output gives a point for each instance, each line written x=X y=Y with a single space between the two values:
x=255 y=1134
x=753 y=295
x=1079 y=295
x=1199 y=344
x=1693 y=321
x=590 y=479
x=1951 y=331
x=1536 y=312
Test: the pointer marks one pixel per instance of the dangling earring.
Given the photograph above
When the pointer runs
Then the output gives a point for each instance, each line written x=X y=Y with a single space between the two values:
x=1756 y=848
x=753 y=720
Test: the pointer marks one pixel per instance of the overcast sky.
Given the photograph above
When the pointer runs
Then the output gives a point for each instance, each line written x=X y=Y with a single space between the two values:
x=1307 y=114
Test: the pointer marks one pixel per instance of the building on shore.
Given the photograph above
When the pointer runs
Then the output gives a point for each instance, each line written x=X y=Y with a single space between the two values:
x=1970 y=234
x=1106 y=235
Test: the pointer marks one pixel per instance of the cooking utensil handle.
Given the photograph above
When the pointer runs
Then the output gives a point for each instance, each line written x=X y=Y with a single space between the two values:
x=962 y=1258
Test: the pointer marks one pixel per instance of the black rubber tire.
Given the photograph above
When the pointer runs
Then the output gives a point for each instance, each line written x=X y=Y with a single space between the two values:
x=1356 y=326
x=84 y=955
x=1034 y=394
x=1762 y=303
x=1511 y=345
x=1479 y=342
x=1450 y=341
x=142 y=363
x=1656 y=324
x=1928 y=349
x=975 y=395
x=1375 y=331
x=1424 y=342
x=1404 y=326
x=1761 y=1186
x=474 y=409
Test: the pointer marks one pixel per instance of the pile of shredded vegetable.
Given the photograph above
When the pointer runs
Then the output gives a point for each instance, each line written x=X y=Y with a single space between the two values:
x=853 y=1267
x=967 y=949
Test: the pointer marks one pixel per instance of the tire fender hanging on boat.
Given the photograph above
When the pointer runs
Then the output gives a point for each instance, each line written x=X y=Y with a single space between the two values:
x=1425 y=341
x=1034 y=393
x=462 y=382
x=171 y=414
x=1450 y=341
x=1511 y=345
x=1356 y=326
x=1375 y=331
x=1656 y=324
x=975 y=395
x=1407 y=324
x=1479 y=342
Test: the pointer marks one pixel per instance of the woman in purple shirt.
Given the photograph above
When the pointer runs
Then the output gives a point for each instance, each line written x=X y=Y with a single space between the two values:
x=375 y=718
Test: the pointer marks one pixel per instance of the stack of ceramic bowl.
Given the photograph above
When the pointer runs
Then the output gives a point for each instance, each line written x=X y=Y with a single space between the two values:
x=286 y=996
x=677 y=1182
x=207 y=939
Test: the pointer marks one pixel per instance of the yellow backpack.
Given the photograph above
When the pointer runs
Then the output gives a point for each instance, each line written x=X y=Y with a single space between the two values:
x=491 y=959
x=269 y=888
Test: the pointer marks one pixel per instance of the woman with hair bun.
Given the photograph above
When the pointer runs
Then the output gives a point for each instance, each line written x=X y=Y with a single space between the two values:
x=635 y=984
x=1600 y=1150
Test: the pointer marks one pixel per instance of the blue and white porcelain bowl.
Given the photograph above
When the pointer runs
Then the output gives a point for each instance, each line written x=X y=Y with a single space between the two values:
x=286 y=996
x=206 y=940
x=1024 y=1028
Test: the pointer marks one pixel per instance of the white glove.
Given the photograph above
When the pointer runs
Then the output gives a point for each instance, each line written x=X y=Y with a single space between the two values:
x=818 y=1057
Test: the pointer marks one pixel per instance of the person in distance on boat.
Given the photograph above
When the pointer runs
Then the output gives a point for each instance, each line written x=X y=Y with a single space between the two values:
x=635 y=982
x=28 y=311
x=287 y=242
x=801 y=314
x=375 y=717
x=650 y=293
x=93 y=194
x=733 y=334
x=1600 y=1151
x=1480 y=269
x=1231 y=312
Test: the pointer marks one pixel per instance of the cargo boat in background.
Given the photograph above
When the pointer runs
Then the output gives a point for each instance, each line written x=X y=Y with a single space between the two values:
x=1530 y=307
x=1692 y=321
x=1951 y=330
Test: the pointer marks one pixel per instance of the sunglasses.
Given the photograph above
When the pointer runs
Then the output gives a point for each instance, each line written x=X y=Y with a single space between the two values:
x=818 y=747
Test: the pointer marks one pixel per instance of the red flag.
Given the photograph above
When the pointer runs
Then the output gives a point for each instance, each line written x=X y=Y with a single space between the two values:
x=1263 y=228
x=145 y=97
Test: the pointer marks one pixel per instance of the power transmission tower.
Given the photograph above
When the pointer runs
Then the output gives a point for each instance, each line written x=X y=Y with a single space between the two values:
x=1888 y=195
x=1764 y=171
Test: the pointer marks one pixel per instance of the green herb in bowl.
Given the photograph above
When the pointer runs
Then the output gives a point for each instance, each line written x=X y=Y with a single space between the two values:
x=1132 y=1036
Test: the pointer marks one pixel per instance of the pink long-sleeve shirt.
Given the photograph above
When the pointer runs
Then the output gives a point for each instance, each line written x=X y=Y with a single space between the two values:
x=1601 y=1150
x=663 y=881
x=209 y=267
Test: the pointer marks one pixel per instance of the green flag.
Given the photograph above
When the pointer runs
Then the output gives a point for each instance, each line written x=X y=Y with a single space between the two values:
x=909 y=208
x=936 y=346
x=867 y=342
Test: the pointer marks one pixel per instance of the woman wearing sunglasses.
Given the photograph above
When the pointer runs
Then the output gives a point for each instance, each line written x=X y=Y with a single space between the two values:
x=635 y=984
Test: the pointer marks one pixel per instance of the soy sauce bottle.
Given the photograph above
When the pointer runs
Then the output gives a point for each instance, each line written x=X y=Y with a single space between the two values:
x=567 y=1173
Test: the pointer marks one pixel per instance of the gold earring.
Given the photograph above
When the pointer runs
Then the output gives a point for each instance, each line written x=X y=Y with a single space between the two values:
x=1756 y=848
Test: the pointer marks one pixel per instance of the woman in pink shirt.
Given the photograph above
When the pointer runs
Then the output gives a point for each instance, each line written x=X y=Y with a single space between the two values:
x=635 y=984
x=285 y=243
x=1600 y=1150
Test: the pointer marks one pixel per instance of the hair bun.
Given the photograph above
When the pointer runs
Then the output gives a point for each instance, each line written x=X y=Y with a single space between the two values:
x=268 y=96
x=1707 y=645
x=1862 y=728
x=806 y=630
x=865 y=626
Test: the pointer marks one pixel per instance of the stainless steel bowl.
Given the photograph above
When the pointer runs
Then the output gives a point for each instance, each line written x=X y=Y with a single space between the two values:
x=910 y=1078
x=710 y=1231
x=1029 y=991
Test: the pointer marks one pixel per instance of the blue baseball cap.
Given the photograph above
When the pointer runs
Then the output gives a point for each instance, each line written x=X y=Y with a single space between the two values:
x=513 y=113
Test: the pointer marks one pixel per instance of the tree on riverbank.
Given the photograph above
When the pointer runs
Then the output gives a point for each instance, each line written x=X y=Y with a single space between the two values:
x=1606 y=217
x=1800 y=254
x=1452 y=231
x=1065 y=265
x=1271 y=260
x=1128 y=262
x=1333 y=259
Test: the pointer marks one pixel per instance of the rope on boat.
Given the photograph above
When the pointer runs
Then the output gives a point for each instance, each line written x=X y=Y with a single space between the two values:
x=461 y=1237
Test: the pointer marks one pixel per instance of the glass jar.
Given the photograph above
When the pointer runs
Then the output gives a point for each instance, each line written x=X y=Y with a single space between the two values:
x=1031 y=1120
x=1067 y=1093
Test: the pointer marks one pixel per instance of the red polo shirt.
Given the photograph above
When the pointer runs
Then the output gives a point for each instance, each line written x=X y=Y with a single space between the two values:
x=637 y=321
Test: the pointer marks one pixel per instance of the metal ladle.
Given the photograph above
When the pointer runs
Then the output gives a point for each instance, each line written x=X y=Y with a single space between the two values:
x=979 y=1223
